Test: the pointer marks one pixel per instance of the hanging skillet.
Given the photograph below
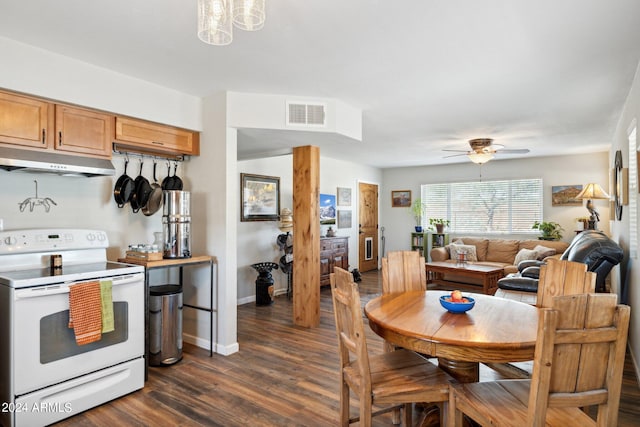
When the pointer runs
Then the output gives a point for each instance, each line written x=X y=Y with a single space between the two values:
x=177 y=182
x=123 y=190
x=141 y=192
x=168 y=178
x=172 y=182
x=155 y=198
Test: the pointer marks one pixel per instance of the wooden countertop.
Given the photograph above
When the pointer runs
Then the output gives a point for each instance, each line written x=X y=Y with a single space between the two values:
x=168 y=262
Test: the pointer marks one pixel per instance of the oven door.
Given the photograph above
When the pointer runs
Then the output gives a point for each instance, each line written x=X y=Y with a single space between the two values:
x=45 y=351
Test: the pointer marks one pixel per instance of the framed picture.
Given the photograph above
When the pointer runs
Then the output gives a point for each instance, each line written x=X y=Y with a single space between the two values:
x=565 y=195
x=344 y=218
x=260 y=198
x=327 y=209
x=344 y=196
x=400 y=198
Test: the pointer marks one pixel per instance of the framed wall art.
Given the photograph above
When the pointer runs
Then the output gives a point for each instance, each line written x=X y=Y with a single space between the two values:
x=327 y=209
x=260 y=198
x=400 y=198
x=344 y=196
x=565 y=195
x=344 y=218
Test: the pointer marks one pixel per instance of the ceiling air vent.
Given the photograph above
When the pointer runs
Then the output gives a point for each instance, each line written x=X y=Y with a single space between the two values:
x=306 y=114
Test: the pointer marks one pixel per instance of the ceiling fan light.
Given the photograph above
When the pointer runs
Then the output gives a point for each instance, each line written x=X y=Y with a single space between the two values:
x=480 y=158
x=249 y=15
x=215 y=22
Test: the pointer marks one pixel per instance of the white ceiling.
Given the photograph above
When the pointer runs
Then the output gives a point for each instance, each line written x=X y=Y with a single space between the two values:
x=548 y=75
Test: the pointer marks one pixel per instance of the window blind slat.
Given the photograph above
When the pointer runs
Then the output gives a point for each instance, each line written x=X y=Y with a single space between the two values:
x=505 y=206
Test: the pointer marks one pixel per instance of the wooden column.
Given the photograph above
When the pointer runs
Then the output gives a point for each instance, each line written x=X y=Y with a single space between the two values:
x=306 y=236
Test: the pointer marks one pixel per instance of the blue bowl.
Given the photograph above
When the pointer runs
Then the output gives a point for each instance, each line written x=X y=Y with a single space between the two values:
x=457 y=307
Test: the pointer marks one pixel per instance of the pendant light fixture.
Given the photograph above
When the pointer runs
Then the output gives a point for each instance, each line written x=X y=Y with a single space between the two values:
x=216 y=19
x=248 y=15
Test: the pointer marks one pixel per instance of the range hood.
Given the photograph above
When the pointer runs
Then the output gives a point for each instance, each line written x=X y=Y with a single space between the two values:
x=12 y=159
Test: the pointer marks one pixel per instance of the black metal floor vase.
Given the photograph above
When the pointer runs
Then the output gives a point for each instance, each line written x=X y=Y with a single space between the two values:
x=264 y=282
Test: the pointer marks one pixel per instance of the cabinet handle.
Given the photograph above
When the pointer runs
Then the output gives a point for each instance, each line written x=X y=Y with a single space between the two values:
x=59 y=138
x=157 y=143
x=44 y=136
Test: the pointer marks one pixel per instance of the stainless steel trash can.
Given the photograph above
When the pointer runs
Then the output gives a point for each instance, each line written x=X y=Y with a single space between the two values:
x=165 y=325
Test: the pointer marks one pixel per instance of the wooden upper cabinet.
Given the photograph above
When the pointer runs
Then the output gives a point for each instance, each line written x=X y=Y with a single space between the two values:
x=83 y=131
x=25 y=121
x=155 y=137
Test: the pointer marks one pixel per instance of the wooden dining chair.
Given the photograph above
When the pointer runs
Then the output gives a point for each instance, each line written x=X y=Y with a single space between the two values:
x=400 y=377
x=578 y=362
x=561 y=277
x=557 y=278
x=403 y=271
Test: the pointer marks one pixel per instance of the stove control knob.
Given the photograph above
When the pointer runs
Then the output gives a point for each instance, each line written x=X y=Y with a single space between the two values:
x=10 y=240
x=101 y=237
x=91 y=237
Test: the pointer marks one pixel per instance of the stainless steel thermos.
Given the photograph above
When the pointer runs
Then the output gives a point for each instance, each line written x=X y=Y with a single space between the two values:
x=176 y=224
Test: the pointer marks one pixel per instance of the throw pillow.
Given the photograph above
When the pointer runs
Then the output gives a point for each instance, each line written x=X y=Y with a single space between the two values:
x=544 y=252
x=455 y=242
x=525 y=254
x=469 y=250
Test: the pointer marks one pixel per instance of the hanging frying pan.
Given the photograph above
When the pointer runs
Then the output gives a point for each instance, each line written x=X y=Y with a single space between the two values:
x=155 y=198
x=168 y=178
x=176 y=184
x=172 y=182
x=141 y=192
x=123 y=190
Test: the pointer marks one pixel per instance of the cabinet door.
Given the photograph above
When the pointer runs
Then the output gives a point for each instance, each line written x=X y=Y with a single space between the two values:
x=341 y=260
x=156 y=137
x=83 y=131
x=25 y=121
x=326 y=264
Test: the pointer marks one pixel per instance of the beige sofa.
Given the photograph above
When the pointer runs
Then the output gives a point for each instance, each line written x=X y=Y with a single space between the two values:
x=496 y=252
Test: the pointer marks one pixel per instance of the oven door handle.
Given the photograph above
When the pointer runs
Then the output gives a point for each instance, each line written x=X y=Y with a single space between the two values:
x=63 y=288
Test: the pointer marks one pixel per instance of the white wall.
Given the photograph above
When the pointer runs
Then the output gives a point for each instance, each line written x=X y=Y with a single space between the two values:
x=269 y=111
x=628 y=273
x=257 y=240
x=561 y=170
x=36 y=71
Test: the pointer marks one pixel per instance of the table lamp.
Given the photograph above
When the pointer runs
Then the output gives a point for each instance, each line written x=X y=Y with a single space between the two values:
x=589 y=192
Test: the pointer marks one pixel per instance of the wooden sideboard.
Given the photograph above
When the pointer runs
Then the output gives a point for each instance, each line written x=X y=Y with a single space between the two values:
x=334 y=252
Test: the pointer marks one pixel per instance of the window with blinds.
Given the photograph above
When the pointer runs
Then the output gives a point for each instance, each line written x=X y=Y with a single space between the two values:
x=506 y=206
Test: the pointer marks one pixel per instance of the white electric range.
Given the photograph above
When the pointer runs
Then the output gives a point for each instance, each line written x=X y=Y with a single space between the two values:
x=44 y=375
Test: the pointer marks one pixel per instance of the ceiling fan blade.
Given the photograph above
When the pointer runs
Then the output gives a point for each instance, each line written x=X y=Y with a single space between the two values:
x=458 y=151
x=455 y=155
x=514 y=151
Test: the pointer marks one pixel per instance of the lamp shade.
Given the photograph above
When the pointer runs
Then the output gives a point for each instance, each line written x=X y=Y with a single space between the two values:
x=215 y=22
x=592 y=191
x=480 y=158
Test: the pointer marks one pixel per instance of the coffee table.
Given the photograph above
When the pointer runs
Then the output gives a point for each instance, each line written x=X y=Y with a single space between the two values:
x=487 y=275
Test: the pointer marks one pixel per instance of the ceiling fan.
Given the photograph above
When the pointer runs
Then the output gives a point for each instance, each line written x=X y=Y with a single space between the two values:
x=483 y=150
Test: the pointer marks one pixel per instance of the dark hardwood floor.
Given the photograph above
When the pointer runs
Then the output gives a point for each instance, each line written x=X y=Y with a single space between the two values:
x=283 y=375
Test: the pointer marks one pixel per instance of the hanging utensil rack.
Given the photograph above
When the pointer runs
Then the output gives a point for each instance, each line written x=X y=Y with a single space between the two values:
x=118 y=149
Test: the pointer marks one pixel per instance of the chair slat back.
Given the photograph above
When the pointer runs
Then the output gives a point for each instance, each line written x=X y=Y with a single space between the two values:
x=560 y=277
x=349 y=324
x=403 y=271
x=579 y=356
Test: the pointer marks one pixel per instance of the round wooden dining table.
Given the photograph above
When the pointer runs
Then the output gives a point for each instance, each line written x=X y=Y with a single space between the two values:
x=495 y=330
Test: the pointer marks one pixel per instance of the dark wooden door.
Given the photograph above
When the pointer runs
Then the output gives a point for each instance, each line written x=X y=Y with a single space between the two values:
x=368 y=226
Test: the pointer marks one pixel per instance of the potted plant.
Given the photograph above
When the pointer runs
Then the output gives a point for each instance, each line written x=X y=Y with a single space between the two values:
x=416 y=211
x=550 y=230
x=439 y=224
